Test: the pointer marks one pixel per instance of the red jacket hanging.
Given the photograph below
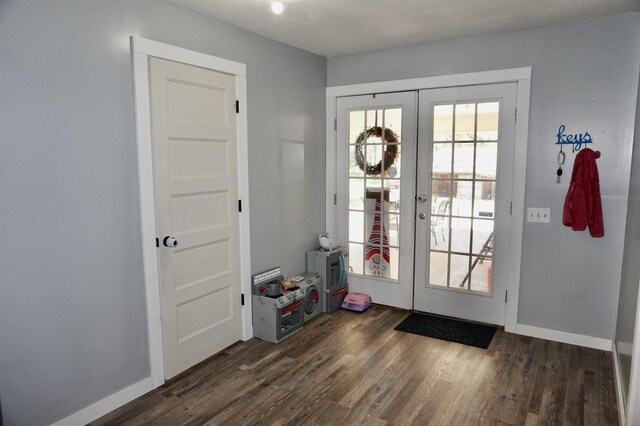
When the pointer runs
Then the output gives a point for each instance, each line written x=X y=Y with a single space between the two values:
x=583 y=206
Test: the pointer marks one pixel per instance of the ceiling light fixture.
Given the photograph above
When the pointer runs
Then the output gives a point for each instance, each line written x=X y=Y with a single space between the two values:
x=277 y=7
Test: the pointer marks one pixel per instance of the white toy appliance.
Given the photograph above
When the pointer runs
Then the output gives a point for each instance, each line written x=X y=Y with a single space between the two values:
x=313 y=303
x=332 y=266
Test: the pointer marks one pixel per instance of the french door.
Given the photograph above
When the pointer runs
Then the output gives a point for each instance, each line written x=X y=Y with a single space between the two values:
x=424 y=197
x=464 y=185
x=376 y=160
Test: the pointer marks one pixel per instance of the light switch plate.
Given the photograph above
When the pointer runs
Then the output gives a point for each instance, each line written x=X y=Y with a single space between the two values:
x=538 y=215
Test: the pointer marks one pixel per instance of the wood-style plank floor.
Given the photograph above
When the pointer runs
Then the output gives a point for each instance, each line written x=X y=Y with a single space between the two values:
x=349 y=368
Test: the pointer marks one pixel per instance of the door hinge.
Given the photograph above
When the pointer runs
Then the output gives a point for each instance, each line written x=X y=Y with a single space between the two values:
x=510 y=208
x=242 y=299
x=516 y=119
x=237 y=107
x=335 y=124
x=506 y=296
x=240 y=206
x=335 y=199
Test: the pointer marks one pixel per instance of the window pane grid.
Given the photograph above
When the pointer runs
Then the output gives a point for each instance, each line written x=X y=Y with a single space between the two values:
x=459 y=179
x=375 y=206
x=469 y=185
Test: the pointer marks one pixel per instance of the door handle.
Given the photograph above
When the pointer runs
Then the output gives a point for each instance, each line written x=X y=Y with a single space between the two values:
x=422 y=215
x=422 y=198
x=170 y=241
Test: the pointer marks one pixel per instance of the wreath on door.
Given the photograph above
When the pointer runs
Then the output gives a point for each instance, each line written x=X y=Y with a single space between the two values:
x=390 y=151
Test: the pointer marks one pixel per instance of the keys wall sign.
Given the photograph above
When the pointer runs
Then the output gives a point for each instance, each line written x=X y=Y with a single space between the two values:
x=576 y=140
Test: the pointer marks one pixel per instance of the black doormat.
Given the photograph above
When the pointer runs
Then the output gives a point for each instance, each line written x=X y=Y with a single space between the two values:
x=447 y=329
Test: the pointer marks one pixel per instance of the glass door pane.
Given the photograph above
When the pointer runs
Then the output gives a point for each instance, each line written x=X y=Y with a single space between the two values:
x=375 y=150
x=463 y=195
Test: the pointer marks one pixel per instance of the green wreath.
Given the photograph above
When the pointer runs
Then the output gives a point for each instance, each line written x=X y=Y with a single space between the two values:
x=390 y=152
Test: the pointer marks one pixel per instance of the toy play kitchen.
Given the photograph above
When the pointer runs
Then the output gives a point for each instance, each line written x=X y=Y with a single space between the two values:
x=281 y=306
x=276 y=305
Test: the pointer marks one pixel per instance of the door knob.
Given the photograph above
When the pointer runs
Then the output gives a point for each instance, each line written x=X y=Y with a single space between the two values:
x=170 y=242
x=422 y=215
x=422 y=198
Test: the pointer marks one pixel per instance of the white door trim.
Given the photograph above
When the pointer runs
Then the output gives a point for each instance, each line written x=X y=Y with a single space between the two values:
x=522 y=76
x=141 y=49
x=632 y=407
x=617 y=375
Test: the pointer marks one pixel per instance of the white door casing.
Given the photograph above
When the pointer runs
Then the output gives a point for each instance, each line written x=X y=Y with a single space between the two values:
x=484 y=306
x=141 y=50
x=194 y=162
x=388 y=291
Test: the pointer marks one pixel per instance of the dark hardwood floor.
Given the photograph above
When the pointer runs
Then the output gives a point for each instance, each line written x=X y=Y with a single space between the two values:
x=351 y=368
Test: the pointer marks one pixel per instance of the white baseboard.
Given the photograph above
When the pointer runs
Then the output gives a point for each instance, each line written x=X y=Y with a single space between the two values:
x=108 y=404
x=618 y=380
x=564 y=337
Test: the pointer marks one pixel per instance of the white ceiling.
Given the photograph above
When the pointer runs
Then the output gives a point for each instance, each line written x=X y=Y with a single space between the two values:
x=341 y=27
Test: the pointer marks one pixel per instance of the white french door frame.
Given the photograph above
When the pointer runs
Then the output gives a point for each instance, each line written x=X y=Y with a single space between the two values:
x=521 y=76
x=141 y=50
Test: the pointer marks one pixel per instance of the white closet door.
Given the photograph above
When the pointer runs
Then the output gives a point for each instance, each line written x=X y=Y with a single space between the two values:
x=195 y=183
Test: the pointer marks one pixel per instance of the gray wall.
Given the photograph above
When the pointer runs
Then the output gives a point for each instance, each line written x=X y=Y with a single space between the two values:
x=72 y=308
x=630 y=266
x=585 y=75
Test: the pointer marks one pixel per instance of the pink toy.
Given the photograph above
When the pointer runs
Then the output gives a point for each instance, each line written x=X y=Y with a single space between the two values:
x=356 y=302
